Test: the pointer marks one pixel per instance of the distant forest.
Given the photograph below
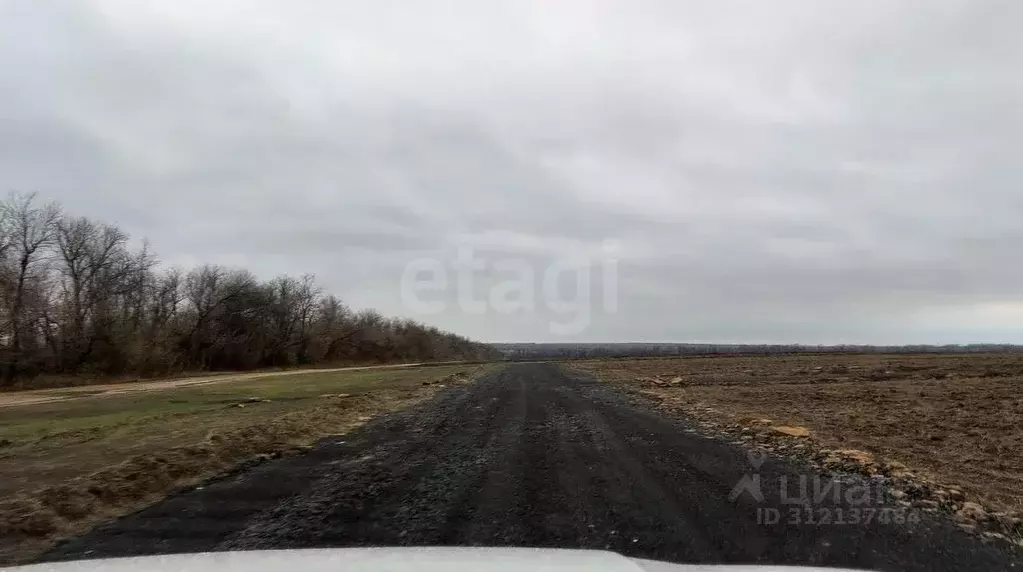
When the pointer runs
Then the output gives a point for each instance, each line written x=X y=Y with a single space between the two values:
x=75 y=299
x=528 y=351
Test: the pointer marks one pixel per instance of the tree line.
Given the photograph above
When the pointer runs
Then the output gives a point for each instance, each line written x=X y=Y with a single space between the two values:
x=75 y=299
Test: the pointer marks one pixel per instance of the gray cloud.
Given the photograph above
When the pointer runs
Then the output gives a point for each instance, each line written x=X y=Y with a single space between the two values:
x=785 y=171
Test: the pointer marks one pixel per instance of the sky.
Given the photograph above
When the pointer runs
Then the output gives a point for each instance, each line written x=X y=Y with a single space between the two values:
x=812 y=172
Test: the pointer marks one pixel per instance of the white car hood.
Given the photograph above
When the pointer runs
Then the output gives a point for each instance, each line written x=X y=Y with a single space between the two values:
x=392 y=560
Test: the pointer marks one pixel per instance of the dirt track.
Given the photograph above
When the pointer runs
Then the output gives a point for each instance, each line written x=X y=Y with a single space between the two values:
x=35 y=397
x=531 y=456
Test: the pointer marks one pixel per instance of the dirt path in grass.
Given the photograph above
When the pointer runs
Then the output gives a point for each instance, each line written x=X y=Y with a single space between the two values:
x=37 y=396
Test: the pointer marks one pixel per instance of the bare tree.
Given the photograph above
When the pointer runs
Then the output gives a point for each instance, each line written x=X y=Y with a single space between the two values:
x=207 y=289
x=305 y=313
x=96 y=267
x=32 y=229
x=334 y=326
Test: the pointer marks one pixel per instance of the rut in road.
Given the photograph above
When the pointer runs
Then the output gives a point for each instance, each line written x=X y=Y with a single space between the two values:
x=529 y=455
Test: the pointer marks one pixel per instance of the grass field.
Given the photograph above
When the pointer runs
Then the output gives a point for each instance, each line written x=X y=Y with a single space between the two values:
x=956 y=420
x=68 y=464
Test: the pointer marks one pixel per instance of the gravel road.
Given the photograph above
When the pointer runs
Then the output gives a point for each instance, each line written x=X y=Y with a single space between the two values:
x=534 y=455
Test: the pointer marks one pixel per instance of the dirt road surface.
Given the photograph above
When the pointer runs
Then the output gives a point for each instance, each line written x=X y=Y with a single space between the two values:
x=37 y=396
x=531 y=455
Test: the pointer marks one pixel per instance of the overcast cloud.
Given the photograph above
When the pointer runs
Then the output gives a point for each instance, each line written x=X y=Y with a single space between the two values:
x=770 y=171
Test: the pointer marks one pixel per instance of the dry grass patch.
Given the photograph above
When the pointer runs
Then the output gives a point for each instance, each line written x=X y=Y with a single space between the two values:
x=67 y=466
